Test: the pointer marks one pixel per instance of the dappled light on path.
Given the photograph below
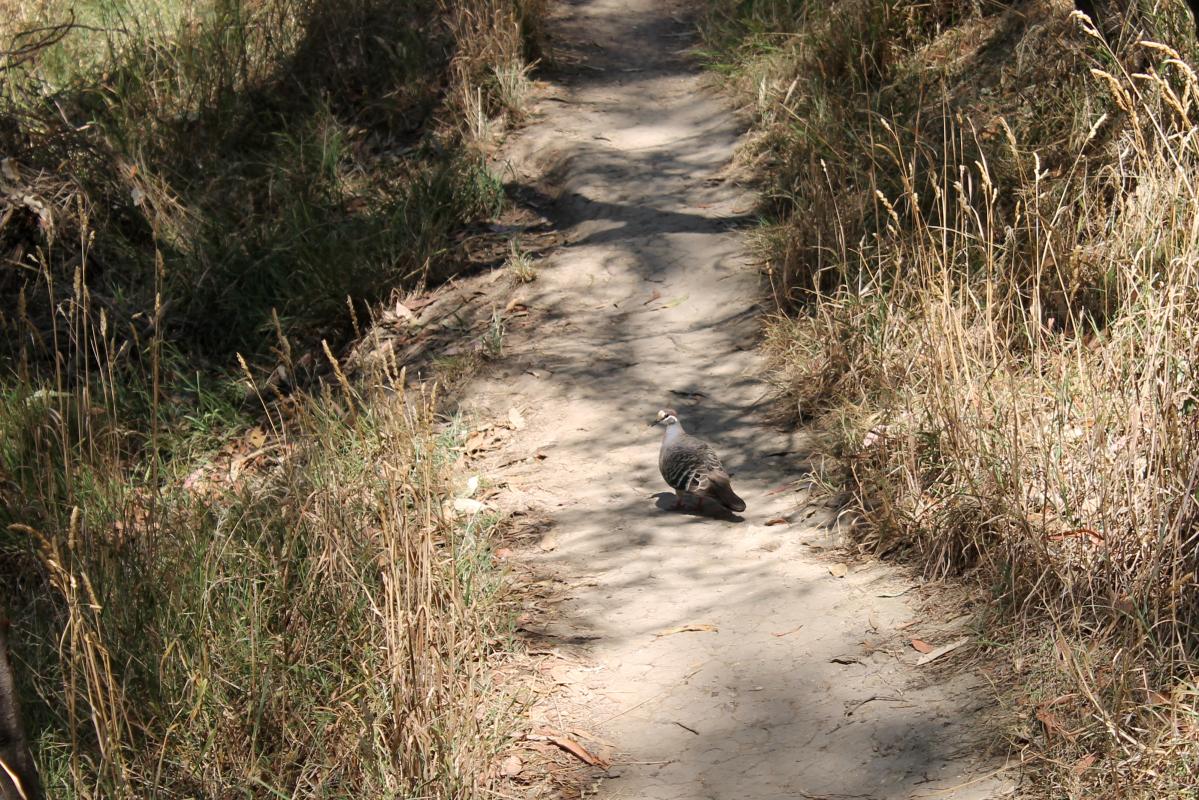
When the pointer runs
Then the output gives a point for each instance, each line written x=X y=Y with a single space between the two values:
x=726 y=658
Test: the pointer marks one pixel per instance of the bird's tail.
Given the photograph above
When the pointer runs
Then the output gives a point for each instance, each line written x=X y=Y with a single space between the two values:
x=722 y=492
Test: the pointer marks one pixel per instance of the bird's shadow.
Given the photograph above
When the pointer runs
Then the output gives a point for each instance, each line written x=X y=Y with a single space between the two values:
x=696 y=507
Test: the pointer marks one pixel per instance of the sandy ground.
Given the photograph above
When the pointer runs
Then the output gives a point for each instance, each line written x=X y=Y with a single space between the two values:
x=806 y=684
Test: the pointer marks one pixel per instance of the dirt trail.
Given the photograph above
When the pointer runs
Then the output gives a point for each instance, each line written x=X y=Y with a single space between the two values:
x=808 y=687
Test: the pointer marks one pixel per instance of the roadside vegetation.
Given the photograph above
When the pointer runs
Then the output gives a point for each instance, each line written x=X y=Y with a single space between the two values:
x=230 y=567
x=984 y=251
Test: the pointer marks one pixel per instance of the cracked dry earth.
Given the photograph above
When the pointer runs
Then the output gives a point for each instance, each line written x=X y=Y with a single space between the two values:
x=806 y=685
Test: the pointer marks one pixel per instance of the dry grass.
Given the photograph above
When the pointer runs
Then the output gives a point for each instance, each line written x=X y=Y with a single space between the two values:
x=989 y=261
x=298 y=613
x=217 y=593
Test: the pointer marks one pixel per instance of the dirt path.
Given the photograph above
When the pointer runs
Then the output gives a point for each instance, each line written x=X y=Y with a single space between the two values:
x=808 y=687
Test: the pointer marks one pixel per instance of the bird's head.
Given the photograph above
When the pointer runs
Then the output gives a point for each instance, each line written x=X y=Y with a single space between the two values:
x=667 y=417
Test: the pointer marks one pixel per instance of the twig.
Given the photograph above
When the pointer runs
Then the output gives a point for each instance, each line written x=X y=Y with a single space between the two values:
x=872 y=698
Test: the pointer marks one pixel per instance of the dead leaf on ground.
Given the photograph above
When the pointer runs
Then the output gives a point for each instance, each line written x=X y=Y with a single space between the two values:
x=838 y=570
x=503 y=553
x=1084 y=763
x=482 y=440
x=787 y=633
x=656 y=295
x=403 y=312
x=779 y=490
x=776 y=521
x=922 y=646
x=574 y=748
x=933 y=655
x=256 y=437
x=694 y=627
x=516 y=419
x=1052 y=725
x=511 y=766
x=548 y=542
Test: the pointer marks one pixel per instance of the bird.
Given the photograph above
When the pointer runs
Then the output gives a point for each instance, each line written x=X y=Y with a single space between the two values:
x=691 y=467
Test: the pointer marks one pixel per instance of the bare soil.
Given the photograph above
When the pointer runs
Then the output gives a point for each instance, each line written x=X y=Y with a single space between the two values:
x=698 y=655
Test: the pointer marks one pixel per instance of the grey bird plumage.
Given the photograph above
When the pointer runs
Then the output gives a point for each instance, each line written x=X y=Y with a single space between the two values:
x=691 y=467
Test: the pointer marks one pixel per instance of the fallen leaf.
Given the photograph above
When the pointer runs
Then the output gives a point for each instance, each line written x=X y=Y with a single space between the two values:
x=942 y=650
x=838 y=570
x=656 y=295
x=1084 y=763
x=1093 y=536
x=575 y=749
x=256 y=438
x=779 y=490
x=1050 y=721
x=922 y=646
x=777 y=521
x=516 y=419
x=511 y=766
x=540 y=455
x=403 y=312
x=548 y=542
x=696 y=627
x=480 y=440
x=503 y=553
x=845 y=660
x=787 y=633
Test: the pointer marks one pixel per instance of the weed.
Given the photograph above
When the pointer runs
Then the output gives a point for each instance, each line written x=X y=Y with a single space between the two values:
x=521 y=265
x=493 y=337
